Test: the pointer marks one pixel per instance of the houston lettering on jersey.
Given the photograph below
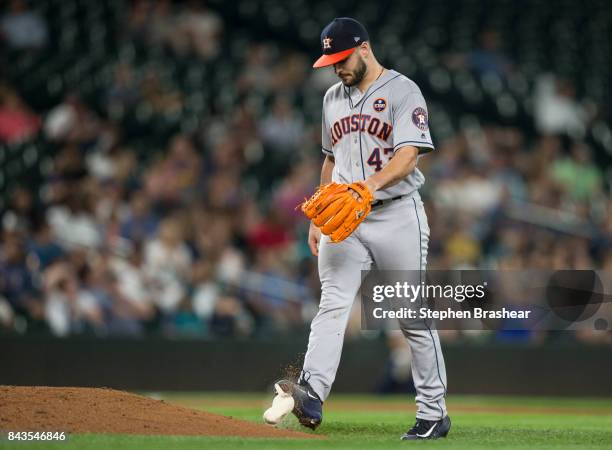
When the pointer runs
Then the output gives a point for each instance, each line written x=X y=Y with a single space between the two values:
x=360 y=122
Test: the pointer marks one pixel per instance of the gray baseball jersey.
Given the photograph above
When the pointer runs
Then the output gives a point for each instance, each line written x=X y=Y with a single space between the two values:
x=362 y=131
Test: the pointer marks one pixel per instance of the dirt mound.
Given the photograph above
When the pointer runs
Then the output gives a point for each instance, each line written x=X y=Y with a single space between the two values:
x=89 y=410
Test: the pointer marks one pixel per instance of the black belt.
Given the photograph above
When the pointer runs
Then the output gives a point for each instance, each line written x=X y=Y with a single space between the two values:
x=378 y=203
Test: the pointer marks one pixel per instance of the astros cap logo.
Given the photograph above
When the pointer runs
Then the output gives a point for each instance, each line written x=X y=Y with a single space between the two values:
x=339 y=39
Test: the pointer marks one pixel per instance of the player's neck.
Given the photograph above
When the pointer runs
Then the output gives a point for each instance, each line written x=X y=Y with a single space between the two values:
x=372 y=74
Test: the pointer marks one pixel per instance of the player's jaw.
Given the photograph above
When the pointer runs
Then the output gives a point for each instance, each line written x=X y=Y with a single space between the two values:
x=351 y=77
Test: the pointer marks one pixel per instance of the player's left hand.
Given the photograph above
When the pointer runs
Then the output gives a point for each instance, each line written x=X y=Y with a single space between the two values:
x=336 y=211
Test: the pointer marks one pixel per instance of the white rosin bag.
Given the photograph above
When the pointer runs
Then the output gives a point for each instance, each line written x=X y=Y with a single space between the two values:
x=282 y=405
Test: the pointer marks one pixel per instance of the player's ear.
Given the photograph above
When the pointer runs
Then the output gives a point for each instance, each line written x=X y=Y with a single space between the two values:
x=364 y=49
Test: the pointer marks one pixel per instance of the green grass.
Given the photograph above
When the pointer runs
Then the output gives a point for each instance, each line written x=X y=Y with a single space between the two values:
x=369 y=422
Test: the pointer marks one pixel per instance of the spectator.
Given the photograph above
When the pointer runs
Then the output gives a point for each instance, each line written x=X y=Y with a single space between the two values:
x=158 y=97
x=282 y=131
x=206 y=292
x=123 y=94
x=167 y=264
x=22 y=212
x=7 y=316
x=132 y=287
x=488 y=58
x=43 y=248
x=150 y=21
x=198 y=30
x=140 y=223
x=273 y=296
x=214 y=244
x=16 y=282
x=577 y=174
x=72 y=121
x=296 y=186
x=473 y=190
x=74 y=224
x=23 y=28
x=69 y=309
x=271 y=232
x=557 y=110
x=229 y=318
x=17 y=122
x=257 y=74
x=172 y=178
x=123 y=315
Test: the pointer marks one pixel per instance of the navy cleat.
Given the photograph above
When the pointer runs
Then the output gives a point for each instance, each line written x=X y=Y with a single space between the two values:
x=308 y=406
x=428 y=429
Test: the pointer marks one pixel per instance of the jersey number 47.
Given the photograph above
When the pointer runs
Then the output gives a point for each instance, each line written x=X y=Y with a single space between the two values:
x=375 y=160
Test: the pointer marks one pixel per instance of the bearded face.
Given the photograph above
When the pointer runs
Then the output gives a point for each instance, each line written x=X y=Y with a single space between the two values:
x=352 y=70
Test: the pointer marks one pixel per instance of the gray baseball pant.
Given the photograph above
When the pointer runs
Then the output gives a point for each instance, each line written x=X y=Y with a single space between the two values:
x=394 y=236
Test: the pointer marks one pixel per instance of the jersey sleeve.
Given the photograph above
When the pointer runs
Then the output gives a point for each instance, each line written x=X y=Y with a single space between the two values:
x=411 y=123
x=326 y=145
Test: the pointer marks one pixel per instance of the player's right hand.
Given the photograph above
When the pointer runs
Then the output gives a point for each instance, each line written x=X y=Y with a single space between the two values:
x=314 y=237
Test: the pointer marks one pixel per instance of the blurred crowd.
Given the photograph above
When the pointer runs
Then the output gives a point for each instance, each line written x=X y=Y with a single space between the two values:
x=201 y=237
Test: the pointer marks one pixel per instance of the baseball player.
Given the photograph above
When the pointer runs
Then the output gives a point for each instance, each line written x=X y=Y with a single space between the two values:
x=374 y=129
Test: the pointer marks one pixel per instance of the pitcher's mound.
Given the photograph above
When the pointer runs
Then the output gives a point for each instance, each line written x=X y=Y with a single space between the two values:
x=89 y=410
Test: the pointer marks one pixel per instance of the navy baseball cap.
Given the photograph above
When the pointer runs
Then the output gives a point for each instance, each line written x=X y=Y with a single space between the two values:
x=339 y=39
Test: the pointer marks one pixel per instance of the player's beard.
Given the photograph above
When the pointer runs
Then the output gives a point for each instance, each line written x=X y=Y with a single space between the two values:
x=357 y=74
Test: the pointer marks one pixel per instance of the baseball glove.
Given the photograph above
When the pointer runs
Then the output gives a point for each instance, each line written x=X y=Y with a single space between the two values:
x=335 y=210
